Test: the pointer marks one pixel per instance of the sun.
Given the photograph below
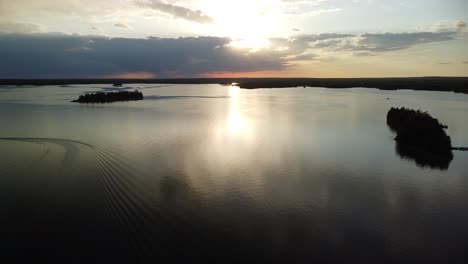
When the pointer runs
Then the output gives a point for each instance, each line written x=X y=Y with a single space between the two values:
x=248 y=23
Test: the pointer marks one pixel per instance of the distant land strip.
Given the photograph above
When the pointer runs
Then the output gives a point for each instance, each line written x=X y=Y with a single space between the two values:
x=461 y=149
x=448 y=84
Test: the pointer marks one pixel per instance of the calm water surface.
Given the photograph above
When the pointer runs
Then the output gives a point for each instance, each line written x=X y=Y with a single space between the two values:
x=218 y=173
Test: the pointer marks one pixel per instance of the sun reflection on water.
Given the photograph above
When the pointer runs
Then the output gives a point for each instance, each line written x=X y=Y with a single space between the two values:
x=229 y=148
x=236 y=123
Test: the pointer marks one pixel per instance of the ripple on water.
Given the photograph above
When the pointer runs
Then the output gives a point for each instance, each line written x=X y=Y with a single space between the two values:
x=72 y=167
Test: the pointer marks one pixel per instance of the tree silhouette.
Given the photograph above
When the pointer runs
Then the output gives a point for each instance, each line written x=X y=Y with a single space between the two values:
x=102 y=97
x=420 y=137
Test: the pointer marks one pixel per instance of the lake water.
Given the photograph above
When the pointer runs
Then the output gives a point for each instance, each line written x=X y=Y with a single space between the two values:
x=218 y=173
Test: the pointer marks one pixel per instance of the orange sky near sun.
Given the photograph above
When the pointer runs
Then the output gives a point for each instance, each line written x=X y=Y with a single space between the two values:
x=254 y=74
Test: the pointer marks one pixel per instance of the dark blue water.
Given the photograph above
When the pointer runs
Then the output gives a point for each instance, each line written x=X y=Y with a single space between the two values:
x=215 y=173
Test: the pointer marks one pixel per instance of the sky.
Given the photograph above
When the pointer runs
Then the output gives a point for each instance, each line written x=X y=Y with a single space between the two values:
x=241 y=38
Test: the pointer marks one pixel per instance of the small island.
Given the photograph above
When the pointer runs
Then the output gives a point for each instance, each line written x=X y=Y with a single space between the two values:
x=420 y=137
x=102 y=97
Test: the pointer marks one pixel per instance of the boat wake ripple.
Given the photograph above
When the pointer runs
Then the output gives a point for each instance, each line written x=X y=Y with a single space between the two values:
x=122 y=196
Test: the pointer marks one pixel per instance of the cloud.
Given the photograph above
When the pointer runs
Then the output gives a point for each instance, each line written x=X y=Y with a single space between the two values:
x=23 y=8
x=316 y=46
x=309 y=2
x=23 y=55
x=323 y=11
x=442 y=26
x=73 y=56
x=300 y=44
x=461 y=25
x=121 y=25
x=177 y=11
x=309 y=7
x=398 y=41
x=322 y=37
x=15 y=27
x=368 y=44
x=303 y=57
x=313 y=12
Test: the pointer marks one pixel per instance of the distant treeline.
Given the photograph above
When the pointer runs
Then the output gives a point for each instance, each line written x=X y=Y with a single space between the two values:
x=451 y=84
x=101 y=97
x=421 y=137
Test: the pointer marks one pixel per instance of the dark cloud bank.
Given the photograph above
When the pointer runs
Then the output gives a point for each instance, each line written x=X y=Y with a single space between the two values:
x=55 y=56
x=73 y=56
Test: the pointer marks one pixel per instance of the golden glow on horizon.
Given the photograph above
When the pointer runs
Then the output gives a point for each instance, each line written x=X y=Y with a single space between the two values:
x=252 y=74
x=132 y=75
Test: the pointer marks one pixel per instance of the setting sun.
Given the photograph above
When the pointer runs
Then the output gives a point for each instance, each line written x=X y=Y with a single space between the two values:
x=250 y=22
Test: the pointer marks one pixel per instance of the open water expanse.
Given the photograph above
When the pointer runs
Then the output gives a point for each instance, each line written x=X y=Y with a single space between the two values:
x=210 y=172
